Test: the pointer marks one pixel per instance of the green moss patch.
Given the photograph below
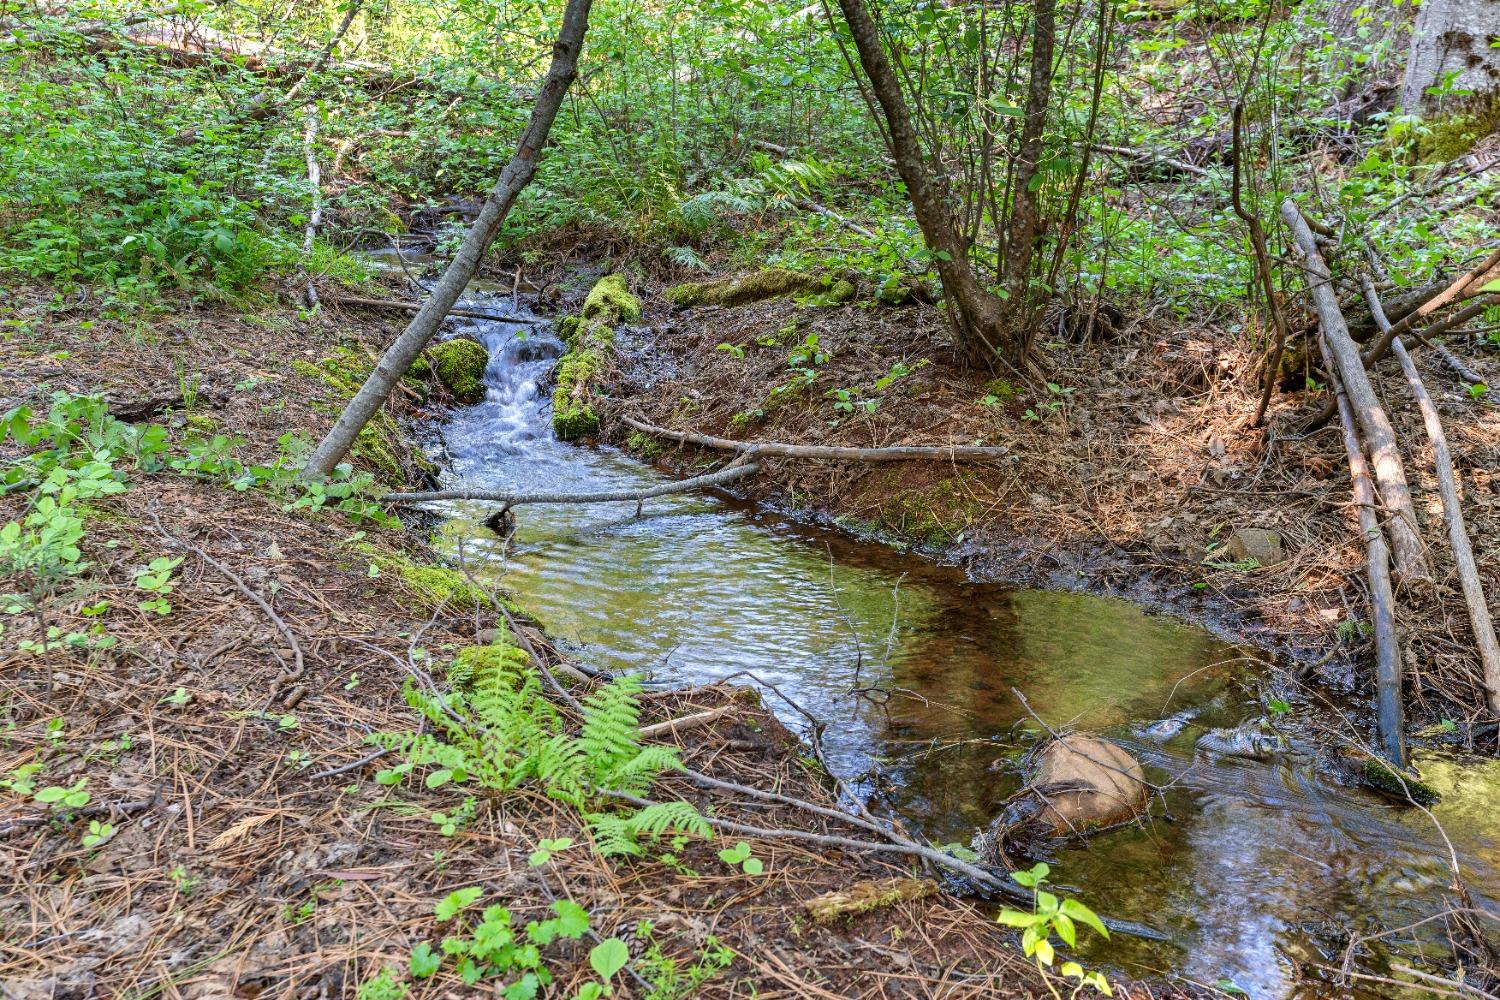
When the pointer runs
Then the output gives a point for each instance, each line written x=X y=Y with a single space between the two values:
x=771 y=283
x=931 y=514
x=610 y=302
x=592 y=338
x=380 y=446
x=1380 y=776
x=459 y=365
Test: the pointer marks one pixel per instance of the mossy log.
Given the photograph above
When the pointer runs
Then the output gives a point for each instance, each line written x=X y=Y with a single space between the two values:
x=771 y=283
x=862 y=897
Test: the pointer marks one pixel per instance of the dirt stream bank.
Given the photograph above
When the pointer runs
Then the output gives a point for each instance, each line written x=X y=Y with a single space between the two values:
x=252 y=853
x=1129 y=471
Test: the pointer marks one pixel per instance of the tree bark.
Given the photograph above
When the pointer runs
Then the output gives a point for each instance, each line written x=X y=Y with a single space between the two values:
x=516 y=175
x=1452 y=37
x=977 y=315
x=1374 y=424
x=1390 y=712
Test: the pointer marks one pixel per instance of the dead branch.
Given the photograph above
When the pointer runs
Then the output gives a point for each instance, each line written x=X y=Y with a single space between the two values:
x=695 y=721
x=724 y=475
x=1374 y=424
x=354 y=300
x=1263 y=272
x=1391 y=714
x=1453 y=515
x=897 y=453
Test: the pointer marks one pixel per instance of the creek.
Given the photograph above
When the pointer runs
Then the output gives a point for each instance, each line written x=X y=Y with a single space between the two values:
x=1252 y=869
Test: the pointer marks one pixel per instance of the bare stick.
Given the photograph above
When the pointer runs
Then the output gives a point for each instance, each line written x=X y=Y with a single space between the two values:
x=897 y=453
x=1391 y=714
x=1453 y=514
x=695 y=721
x=315 y=187
x=1262 y=271
x=397 y=304
x=298 y=669
x=725 y=475
x=1374 y=424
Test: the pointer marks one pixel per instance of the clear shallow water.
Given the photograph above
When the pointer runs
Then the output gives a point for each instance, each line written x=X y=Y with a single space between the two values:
x=1254 y=862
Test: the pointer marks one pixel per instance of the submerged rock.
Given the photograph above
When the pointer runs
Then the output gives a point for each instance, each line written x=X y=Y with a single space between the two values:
x=1163 y=730
x=459 y=365
x=1076 y=784
x=1249 y=740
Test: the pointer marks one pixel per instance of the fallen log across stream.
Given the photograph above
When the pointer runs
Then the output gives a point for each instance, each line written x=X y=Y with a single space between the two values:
x=724 y=475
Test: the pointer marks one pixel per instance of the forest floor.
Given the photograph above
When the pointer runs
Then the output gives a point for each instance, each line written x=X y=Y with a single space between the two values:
x=1131 y=465
x=241 y=846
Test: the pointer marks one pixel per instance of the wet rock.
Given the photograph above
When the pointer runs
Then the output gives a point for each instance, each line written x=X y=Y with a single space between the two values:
x=1249 y=740
x=1076 y=784
x=459 y=365
x=1260 y=544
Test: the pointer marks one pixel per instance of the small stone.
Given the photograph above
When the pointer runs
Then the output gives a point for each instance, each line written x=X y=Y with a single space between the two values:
x=1260 y=544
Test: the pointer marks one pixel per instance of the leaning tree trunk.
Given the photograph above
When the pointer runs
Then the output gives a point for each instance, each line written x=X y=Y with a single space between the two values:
x=1453 y=37
x=516 y=175
x=979 y=323
x=1374 y=424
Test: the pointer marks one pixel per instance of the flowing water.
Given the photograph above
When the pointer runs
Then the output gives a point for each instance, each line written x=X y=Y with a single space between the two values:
x=912 y=666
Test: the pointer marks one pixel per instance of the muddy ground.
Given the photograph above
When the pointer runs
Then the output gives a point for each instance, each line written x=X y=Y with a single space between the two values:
x=224 y=742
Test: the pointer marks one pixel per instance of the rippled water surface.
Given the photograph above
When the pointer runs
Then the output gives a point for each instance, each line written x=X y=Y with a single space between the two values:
x=912 y=666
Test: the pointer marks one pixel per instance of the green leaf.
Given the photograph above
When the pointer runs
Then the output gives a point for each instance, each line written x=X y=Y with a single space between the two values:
x=1019 y=918
x=572 y=919
x=608 y=957
x=1073 y=908
x=423 y=961
x=753 y=866
x=457 y=901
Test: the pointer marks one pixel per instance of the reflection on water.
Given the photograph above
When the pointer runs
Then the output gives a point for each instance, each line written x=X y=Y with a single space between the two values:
x=1252 y=861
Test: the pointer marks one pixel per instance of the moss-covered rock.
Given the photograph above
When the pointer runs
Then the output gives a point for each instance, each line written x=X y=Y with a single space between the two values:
x=459 y=365
x=573 y=415
x=1454 y=135
x=768 y=284
x=1383 y=778
x=610 y=302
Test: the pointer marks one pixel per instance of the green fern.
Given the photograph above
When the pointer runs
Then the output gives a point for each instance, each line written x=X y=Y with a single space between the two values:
x=495 y=728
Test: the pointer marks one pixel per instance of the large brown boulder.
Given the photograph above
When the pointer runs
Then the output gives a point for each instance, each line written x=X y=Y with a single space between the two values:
x=1076 y=784
x=1086 y=782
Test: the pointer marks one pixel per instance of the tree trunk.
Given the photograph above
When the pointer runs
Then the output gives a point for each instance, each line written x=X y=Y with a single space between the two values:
x=516 y=175
x=1454 y=37
x=1026 y=219
x=1374 y=424
x=978 y=315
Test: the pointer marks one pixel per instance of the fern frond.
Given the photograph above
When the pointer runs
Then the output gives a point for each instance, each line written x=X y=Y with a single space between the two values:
x=611 y=726
x=612 y=835
x=661 y=817
x=635 y=774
